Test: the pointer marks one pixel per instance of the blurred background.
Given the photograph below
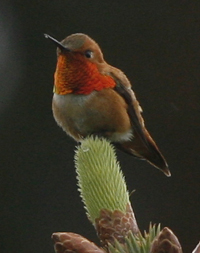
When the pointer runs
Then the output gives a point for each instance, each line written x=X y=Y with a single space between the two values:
x=156 y=43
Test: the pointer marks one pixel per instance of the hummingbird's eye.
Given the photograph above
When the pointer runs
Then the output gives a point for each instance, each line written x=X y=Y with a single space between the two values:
x=89 y=54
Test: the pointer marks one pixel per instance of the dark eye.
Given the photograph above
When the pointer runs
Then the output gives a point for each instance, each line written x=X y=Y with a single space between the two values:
x=88 y=54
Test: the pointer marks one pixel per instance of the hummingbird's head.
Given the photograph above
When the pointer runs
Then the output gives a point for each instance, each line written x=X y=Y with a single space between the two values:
x=80 y=66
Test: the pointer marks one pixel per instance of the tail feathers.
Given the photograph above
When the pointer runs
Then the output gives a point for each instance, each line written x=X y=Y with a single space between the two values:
x=148 y=151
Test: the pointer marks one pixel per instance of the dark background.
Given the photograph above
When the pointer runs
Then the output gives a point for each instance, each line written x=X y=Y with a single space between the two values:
x=156 y=43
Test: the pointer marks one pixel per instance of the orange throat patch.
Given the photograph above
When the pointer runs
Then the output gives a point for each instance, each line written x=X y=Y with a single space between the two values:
x=80 y=77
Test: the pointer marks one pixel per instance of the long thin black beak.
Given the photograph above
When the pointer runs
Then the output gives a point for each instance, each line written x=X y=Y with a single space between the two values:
x=56 y=42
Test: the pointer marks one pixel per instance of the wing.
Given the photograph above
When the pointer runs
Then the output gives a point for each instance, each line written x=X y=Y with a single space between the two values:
x=141 y=145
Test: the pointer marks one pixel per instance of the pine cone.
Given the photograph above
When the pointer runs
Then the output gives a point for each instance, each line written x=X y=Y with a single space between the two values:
x=115 y=225
x=166 y=242
x=74 y=243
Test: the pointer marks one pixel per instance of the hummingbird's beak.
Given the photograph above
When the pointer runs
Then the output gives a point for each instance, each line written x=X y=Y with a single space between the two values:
x=56 y=42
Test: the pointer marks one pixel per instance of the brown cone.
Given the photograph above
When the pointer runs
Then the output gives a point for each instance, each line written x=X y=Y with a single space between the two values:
x=166 y=242
x=74 y=243
x=115 y=225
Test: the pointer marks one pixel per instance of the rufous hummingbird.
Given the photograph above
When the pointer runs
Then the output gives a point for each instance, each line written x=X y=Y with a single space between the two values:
x=92 y=97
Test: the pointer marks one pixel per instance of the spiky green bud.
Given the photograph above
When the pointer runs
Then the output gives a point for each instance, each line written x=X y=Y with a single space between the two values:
x=100 y=180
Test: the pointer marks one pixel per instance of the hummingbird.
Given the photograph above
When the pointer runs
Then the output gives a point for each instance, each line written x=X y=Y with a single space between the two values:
x=92 y=97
